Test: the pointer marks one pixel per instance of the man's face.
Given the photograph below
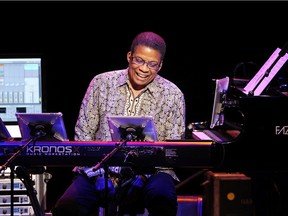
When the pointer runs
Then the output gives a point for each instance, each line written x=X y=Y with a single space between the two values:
x=144 y=65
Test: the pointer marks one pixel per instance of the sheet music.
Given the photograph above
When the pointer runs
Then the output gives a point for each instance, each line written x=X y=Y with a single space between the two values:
x=200 y=135
x=256 y=79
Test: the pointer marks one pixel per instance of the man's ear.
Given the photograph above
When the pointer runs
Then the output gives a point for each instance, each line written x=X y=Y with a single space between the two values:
x=128 y=56
x=160 y=66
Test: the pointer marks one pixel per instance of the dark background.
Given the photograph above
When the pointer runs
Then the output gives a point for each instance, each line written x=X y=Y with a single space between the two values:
x=78 y=40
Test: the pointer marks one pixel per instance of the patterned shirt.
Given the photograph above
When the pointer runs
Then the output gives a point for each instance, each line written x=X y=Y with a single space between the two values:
x=109 y=94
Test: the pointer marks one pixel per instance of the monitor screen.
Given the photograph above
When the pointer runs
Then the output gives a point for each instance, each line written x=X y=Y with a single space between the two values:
x=132 y=128
x=4 y=133
x=14 y=131
x=42 y=126
x=221 y=87
x=20 y=87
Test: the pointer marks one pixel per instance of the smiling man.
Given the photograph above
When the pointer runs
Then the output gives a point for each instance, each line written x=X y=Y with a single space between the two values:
x=135 y=91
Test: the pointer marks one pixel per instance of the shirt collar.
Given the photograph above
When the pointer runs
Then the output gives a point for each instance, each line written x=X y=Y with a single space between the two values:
x=123 y=80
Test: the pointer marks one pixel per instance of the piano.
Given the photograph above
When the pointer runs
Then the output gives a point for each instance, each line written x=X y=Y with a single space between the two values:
x=259 y=149
x=262 y=123
x=187 y=154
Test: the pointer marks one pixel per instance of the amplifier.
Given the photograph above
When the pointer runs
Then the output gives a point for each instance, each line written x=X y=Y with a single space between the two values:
x=227 y=194
x=18 y=210
x=21 y=200
x=17 y=199
x=5 y=185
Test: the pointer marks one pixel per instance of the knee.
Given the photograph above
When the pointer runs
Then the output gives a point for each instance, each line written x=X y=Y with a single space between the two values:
x=160 y=191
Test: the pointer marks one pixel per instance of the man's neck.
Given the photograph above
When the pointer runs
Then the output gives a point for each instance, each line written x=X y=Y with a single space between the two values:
x=135 y=92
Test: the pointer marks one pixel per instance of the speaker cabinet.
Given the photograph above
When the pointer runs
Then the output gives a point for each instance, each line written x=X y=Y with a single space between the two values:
x=227 y=194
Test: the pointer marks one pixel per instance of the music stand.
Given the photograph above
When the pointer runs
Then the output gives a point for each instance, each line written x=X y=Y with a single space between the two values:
x=35 y=127
x=133 y=128
x=124 y=129
x=266 y=73
x=42 y=126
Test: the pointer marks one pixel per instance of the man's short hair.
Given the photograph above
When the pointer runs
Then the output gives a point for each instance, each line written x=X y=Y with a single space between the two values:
x=149 y=39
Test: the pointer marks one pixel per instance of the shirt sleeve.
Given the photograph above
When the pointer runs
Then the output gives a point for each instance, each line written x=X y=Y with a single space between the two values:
x=88 y=118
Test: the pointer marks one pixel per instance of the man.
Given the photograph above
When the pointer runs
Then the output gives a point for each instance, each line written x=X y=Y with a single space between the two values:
x=136 y=91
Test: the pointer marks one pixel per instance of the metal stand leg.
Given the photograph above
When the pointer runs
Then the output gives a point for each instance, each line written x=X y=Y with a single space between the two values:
x=25 y=178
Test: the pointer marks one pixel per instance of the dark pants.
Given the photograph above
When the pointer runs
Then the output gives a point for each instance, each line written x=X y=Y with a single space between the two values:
x=82 y=199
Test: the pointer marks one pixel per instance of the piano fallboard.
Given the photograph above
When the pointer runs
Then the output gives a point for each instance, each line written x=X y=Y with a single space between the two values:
x=194 y=154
